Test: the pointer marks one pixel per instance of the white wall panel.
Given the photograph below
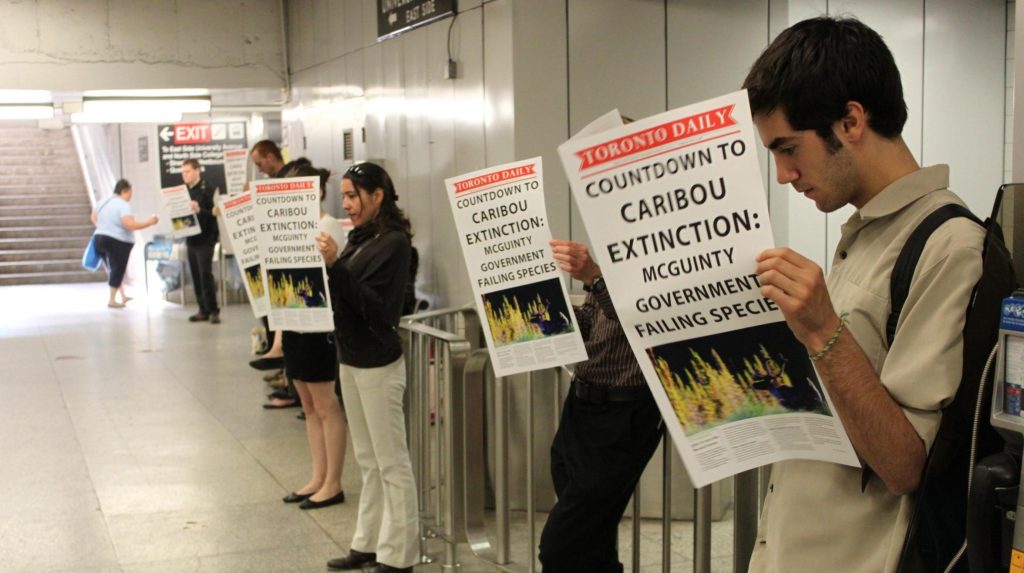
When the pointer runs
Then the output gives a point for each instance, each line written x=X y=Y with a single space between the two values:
x=796 y=222
x=964 y=95
x=373 y=74
x=730 y=35
x=335 y=41
x=443 y=275
x=470 y=139
x=542 y=98
x=901 y=25
x=616 y=60
x=398 y=106
x=470 y=154
x=369 y=29
x=352 y=25
x=416 y=195
x=499 y=88
x=321 y=31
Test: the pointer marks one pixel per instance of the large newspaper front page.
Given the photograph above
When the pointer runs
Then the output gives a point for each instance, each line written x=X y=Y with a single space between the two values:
x=288 y=221
x=676 y=209
x=519 y=291
x=176 y=207
x=240 y=223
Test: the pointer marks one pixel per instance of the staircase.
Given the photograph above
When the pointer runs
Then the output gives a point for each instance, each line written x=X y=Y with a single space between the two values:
x=44 y=209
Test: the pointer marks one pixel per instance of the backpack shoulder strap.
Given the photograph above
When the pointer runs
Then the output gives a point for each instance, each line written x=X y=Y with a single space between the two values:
x=906 y=263
x=903 y=273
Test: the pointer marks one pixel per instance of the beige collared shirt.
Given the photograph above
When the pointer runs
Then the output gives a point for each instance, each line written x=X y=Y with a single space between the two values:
x=816 y=518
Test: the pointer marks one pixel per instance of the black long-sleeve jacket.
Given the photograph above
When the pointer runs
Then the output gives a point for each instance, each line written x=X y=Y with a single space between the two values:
x=367 y=285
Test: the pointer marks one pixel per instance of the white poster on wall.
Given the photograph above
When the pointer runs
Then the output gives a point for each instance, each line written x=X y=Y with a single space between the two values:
x=176 y=208
x=235 y=163
x=518 y=288
x=288 y=220
x=676 y=206
x=240 y=223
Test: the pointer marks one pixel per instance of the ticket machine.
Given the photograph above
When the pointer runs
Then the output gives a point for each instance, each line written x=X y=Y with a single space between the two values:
x=995 y=539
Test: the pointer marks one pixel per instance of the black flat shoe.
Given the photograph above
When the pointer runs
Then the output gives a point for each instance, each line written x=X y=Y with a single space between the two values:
x=281 y=394
x=199 y=317
x=354 y=560
x=267 y=363
x=310 y=504
x=295 y=497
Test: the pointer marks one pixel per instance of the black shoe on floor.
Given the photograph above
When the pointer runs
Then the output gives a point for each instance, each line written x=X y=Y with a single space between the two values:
x=267 y=363
x=354 y=560
x=281 y=394
x=199 y=317
x=296 y=497
x=301 y=415
x=382 y=568
x=310 y=504
x=214 y=318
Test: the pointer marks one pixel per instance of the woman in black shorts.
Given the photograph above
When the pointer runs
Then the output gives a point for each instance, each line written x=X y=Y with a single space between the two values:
x=311 y=362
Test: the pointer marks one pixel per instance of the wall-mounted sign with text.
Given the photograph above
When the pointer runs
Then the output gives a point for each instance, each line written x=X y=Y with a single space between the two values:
x=205 y=142
x=397 y=16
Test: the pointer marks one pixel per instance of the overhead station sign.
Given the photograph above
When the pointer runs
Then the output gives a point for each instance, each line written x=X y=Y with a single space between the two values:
x=397 y=16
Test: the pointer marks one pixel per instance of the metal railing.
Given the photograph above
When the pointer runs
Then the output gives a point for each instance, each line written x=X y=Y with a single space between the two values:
x=449 y=377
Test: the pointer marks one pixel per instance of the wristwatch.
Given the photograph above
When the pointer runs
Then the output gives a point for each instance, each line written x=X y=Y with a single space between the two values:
x=596 y=286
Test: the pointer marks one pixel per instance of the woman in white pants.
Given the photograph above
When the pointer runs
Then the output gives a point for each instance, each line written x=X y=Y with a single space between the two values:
x=367 y=281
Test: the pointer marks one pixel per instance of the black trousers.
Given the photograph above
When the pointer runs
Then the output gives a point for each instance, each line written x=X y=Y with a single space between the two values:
x=115 y=254
x=200 y=263
x=598 y=454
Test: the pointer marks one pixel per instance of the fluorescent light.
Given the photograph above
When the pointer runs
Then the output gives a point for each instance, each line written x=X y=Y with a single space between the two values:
x=25 y=96
x=18 y=111
x=147 y=93
x=126 y=117
x=200 y=104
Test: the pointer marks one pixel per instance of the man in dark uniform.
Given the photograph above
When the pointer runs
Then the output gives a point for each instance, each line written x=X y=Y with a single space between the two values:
x=201 y=246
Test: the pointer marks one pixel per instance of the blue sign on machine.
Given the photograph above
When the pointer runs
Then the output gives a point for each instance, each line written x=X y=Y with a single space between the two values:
x=1011 y=325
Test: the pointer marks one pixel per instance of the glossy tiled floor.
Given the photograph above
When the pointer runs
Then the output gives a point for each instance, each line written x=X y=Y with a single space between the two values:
x=133 y=441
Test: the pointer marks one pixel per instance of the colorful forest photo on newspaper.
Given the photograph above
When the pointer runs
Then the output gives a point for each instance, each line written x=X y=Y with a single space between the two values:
x=297 y=288
x=736 y=375
x=527 y=312
x=253 y=276
x=184 y=222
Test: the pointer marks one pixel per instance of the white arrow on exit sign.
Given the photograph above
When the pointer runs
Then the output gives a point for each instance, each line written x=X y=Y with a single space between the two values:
x=165 y=134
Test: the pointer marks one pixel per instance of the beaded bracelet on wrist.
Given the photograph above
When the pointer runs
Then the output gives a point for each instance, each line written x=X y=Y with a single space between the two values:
x=832 y=340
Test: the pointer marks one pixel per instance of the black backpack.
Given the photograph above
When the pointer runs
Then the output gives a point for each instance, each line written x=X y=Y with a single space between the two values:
x=937 y=531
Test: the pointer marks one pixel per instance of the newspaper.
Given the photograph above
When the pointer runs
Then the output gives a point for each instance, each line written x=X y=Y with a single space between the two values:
x=502 y=223
x=288 y=220
x=176 y=208
x=235 y=163
x=676 y=207
x=240 y=223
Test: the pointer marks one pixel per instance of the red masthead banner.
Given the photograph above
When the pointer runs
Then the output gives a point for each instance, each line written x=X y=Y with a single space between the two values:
x=286 y=186
x=494 y=178
x=237 y=201
x=657 y=136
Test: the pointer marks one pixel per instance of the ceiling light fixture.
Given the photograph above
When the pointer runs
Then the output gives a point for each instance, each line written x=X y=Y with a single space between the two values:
x=22 y=111
x=130 y=105
x=165 y=116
